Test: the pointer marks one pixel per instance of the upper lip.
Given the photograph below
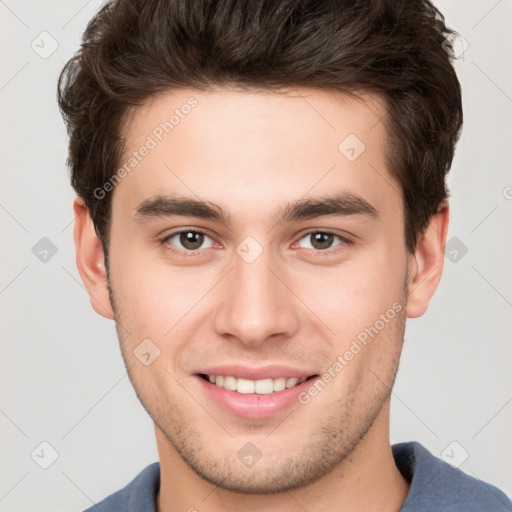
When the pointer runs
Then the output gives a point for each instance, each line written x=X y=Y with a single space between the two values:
x=260 y=373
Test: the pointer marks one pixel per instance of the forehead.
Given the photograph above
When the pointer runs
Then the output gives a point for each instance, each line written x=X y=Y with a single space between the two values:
x=248 y=149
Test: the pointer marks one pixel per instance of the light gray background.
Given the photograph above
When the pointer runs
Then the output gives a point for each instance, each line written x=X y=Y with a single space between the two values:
x=62 y=377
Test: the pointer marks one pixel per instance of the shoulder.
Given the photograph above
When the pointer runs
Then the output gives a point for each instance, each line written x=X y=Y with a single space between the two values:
x=435 y=484
x=139 y=494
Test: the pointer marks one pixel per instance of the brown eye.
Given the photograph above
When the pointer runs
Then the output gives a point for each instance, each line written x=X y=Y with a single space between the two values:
x=189 y=240
x=321 y=240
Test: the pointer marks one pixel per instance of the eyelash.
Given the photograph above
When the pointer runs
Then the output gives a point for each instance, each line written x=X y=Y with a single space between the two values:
x=196 y=252
x=183 y=252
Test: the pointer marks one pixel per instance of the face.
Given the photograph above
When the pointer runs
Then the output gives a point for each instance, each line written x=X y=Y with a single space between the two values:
x=246 y=243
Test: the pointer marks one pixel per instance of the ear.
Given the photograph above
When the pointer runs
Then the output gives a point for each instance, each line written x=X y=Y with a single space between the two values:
x=90 y=260
x=426 y=264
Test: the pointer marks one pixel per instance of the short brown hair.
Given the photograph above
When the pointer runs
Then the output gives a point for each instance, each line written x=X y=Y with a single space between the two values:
x=399 y=49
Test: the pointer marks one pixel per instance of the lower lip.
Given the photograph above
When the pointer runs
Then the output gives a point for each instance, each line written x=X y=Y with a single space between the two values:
x=253 y=405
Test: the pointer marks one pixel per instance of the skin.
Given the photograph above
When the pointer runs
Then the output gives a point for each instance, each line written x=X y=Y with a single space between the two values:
x=252 y=153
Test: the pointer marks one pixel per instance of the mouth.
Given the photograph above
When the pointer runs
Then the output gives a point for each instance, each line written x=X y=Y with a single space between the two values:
x=266 y=386
x=253 y=399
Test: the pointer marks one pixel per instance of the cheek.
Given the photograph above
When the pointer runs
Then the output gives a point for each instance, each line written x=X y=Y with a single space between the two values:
x=353 y=295
x=150 y=297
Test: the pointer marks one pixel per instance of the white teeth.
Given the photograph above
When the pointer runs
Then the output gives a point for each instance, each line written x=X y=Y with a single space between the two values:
x=291 y=382
x=280 y=384
x=230 y=383
x=264 y=387
x=260 y=387
x=245 y=386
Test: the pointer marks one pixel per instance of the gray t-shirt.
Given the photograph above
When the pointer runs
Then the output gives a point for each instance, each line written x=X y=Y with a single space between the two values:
x=435 y=487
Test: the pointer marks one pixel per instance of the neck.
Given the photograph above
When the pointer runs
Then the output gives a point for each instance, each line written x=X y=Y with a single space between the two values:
x=367 y=479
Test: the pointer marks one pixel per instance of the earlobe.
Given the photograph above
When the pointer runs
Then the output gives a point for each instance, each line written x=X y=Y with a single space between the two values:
x=90 y=260
x=426 y=264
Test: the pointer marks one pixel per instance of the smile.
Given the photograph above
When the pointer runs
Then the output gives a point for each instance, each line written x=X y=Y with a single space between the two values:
x=259 y=387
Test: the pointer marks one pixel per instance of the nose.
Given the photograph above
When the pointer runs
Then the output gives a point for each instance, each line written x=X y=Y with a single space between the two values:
x=256 y=303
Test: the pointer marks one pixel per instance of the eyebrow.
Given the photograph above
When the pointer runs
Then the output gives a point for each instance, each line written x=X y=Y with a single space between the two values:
x=341 y=205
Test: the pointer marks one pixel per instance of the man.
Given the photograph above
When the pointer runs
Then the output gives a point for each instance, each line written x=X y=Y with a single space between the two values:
x=261 y=205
